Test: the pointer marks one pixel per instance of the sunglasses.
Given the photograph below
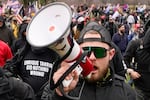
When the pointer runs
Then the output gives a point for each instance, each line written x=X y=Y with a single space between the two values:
x=99 y=52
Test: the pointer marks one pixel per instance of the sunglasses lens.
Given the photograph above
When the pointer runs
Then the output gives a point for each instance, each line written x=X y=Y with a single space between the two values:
x=99 y=52
x=87 y=49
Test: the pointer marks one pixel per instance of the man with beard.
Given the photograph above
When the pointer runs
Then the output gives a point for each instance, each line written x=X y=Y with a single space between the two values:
x=111 y=26
x=103 y=84
x=120 y=38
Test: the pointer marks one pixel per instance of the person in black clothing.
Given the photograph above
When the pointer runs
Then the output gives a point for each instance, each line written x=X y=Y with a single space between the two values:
x=12 y=88
x=6 y=34
x=20 y=42
x=139 y=72
x=103 y=83
x=34 y=66
x=111 y=26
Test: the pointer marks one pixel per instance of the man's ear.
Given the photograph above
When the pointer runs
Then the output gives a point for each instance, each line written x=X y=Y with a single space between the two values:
x=112 y=53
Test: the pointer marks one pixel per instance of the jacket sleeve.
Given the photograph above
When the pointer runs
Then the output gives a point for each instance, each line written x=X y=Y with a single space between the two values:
x=115 y=38
x=130 y=52
x=49 y=94
x=21 y=90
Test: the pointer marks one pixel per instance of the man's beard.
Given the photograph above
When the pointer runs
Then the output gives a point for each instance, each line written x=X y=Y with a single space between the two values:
x=110 y=22
x=122 y=31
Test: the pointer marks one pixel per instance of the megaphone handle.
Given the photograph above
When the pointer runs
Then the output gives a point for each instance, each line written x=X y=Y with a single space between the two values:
x=68 y=71
x=66 y=83
x=71 y=97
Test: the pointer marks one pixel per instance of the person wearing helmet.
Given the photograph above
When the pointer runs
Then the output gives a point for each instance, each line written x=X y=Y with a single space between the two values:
x=104 y=83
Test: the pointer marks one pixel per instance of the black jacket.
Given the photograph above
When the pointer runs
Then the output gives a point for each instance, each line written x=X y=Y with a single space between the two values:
x=131 y=52
x=12 y=88
x=111 y=27
x=35 y=67
x=116 y=89
x=146 y=40
x=142 y=68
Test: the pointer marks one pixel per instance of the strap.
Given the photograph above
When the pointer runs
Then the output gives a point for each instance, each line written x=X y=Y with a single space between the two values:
x=73 y=97
x=119 y=77
x=39 y=93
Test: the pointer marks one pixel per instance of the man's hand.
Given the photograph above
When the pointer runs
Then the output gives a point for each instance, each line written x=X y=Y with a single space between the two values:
x=133 y=74
x=72 y=76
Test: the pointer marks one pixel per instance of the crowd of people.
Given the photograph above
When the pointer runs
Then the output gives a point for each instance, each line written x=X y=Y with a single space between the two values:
x=110 y=34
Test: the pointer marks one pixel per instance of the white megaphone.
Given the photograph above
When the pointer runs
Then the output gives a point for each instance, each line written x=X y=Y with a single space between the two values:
x=50 y=27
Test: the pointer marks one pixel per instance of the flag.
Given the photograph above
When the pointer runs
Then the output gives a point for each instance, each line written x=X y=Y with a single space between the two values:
x=33 y=9
x=20 y=14
x=107 y=9
x=125 y=7
x=14 y=5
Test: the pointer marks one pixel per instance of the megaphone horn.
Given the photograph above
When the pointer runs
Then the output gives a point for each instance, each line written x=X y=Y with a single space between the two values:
x=50 y=27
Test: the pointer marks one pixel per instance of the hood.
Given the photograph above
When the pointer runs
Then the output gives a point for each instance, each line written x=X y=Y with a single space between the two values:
x=37 y=50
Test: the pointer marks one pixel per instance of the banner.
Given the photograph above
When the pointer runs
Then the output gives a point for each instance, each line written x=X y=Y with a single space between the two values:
x=14 y=5
x=20 y=14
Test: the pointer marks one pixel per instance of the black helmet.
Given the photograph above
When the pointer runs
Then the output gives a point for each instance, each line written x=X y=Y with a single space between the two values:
x=98 y=28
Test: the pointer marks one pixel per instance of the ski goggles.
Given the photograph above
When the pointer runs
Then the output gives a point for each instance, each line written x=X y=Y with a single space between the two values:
x=99 y=52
